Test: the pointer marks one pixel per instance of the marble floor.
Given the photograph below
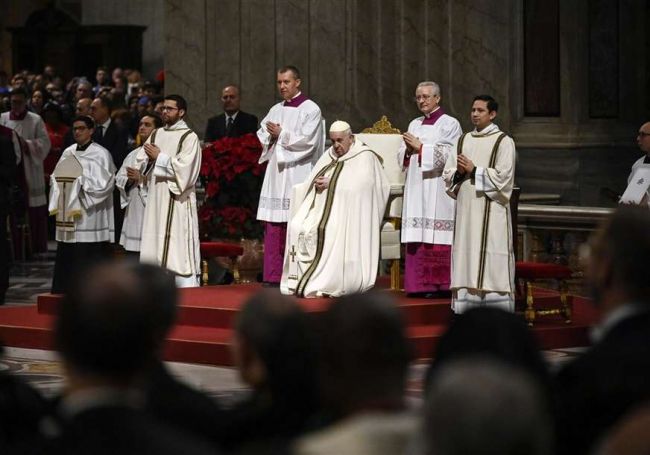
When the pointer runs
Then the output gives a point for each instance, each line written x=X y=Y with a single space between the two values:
x=43 y=368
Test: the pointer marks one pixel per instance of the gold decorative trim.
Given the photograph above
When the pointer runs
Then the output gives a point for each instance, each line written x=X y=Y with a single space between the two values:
x=383 y=126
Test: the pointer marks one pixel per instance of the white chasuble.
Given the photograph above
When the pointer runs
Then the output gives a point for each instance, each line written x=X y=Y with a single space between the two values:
x=428 y=211
x=170 y=231
x=133 y=197
x=482 y=255
x=83 y=201
x=332 y=244
x=31 y=144
x=291 y=157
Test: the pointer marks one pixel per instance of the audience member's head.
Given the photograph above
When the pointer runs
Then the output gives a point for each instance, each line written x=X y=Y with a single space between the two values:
x=274 y=350
x=230 y=99
x=38 y=100
x=492 y=333
x=111 y=324
x=102 y=77
x=83 y=106
x=84 y=89
x=100 y=109
x=52 y=114
x=480 y=406
x=364 y=354
x=616 y=271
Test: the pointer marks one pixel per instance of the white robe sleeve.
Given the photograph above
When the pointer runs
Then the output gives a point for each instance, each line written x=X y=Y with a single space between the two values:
x=433 y=157
x=449 y=172
x=55 y=194
x=497 y=182
x=96 y=183
x=121 y=179
x=39 y=147
x=181 y=170
x=297 y=145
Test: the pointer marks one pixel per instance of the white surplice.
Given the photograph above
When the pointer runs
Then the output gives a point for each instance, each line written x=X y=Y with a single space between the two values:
x=84 y=206
x=333 y=237
x=34 y=148
x=645 y=201
x=291 y=157
x=133 y=201
x=428 y=211
x=170 y=231
x=482 y=255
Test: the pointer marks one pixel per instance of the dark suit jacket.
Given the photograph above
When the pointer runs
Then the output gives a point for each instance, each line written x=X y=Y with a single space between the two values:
x=243 y=124
x=121 y=430
x=115 y=140
x=599 y=387
x=177 y=405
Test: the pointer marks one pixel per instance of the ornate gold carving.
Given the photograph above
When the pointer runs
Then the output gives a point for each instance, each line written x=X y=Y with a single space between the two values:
x=383 y=126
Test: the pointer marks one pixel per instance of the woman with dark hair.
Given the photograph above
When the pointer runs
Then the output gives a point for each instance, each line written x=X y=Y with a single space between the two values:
x=274 y=353
x=38 y=100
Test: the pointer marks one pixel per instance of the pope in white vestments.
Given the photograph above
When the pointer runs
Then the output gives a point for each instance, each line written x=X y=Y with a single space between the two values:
x=480 y=175
x=170 y=231
x=292 y=138
x=428 y=211
x=333 y=236
x=83 y=205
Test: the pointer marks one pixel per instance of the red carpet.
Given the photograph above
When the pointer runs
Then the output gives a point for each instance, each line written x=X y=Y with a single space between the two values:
x=203 y=332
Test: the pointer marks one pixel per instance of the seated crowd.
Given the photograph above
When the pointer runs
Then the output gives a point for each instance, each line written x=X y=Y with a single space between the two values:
x=338 y=382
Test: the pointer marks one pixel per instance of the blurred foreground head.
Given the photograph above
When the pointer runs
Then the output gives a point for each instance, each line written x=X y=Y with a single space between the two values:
x=273 y=347
x=481 y=406
x=617 y=269
x=364 y=354
x=112 y=323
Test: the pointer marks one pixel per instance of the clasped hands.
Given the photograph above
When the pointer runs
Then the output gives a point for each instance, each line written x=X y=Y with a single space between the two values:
x=413 y=144
x=152 y=151
x=321 y=183
x=465 y=165
x=274 y=129
x=133 y=174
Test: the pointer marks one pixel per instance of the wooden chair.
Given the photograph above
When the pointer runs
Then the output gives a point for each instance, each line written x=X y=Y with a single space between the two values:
x=527 y=273
x=211 y=250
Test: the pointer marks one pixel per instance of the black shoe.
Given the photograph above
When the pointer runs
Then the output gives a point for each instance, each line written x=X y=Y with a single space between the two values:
x=268 y=284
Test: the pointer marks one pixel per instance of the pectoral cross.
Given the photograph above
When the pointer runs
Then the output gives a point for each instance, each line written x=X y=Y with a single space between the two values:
x=292 y=253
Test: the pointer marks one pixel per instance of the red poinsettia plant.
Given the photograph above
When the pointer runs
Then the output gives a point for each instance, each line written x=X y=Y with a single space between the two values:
x=232 y=178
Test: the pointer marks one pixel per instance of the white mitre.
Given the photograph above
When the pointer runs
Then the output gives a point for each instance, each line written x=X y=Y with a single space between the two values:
x=340 y=126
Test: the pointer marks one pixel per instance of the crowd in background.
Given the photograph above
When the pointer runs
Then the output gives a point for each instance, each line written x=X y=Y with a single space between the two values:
x=57 y=100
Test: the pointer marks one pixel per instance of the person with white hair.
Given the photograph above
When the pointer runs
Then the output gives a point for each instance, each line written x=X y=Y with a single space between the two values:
x=332 y=246
x=428 y=211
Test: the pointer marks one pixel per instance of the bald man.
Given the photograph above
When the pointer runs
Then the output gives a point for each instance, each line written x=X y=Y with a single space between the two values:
x=335 y=218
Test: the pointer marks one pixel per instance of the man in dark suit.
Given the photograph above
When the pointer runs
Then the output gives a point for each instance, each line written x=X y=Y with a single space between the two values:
x=233 y=122
x=107 y=332
x=113 y=138
x=613 y=377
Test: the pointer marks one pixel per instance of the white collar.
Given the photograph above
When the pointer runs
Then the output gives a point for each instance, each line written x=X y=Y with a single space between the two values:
x=490 y=129
x=180 y=125
x=82 y=400
x=105 y=125
x=613 y=318
x=233 y=116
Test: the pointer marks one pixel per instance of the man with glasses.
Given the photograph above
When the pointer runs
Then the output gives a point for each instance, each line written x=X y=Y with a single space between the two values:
x=31 y=145
x=643 y=140
x=233 y=122
x=82 y=202
x=428 y=212
x=171 y=161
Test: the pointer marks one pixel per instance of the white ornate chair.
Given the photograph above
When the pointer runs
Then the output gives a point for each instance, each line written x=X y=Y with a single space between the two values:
x=386 y=141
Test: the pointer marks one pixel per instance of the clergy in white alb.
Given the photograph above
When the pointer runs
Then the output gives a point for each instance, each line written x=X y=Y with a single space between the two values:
x=81 y=199
x=643 y=140
x=31 y=145
x=131 y=183
x=292 y=138
x=170 y=231
x=428 y=211
x=480 y=175
x=333 y=234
